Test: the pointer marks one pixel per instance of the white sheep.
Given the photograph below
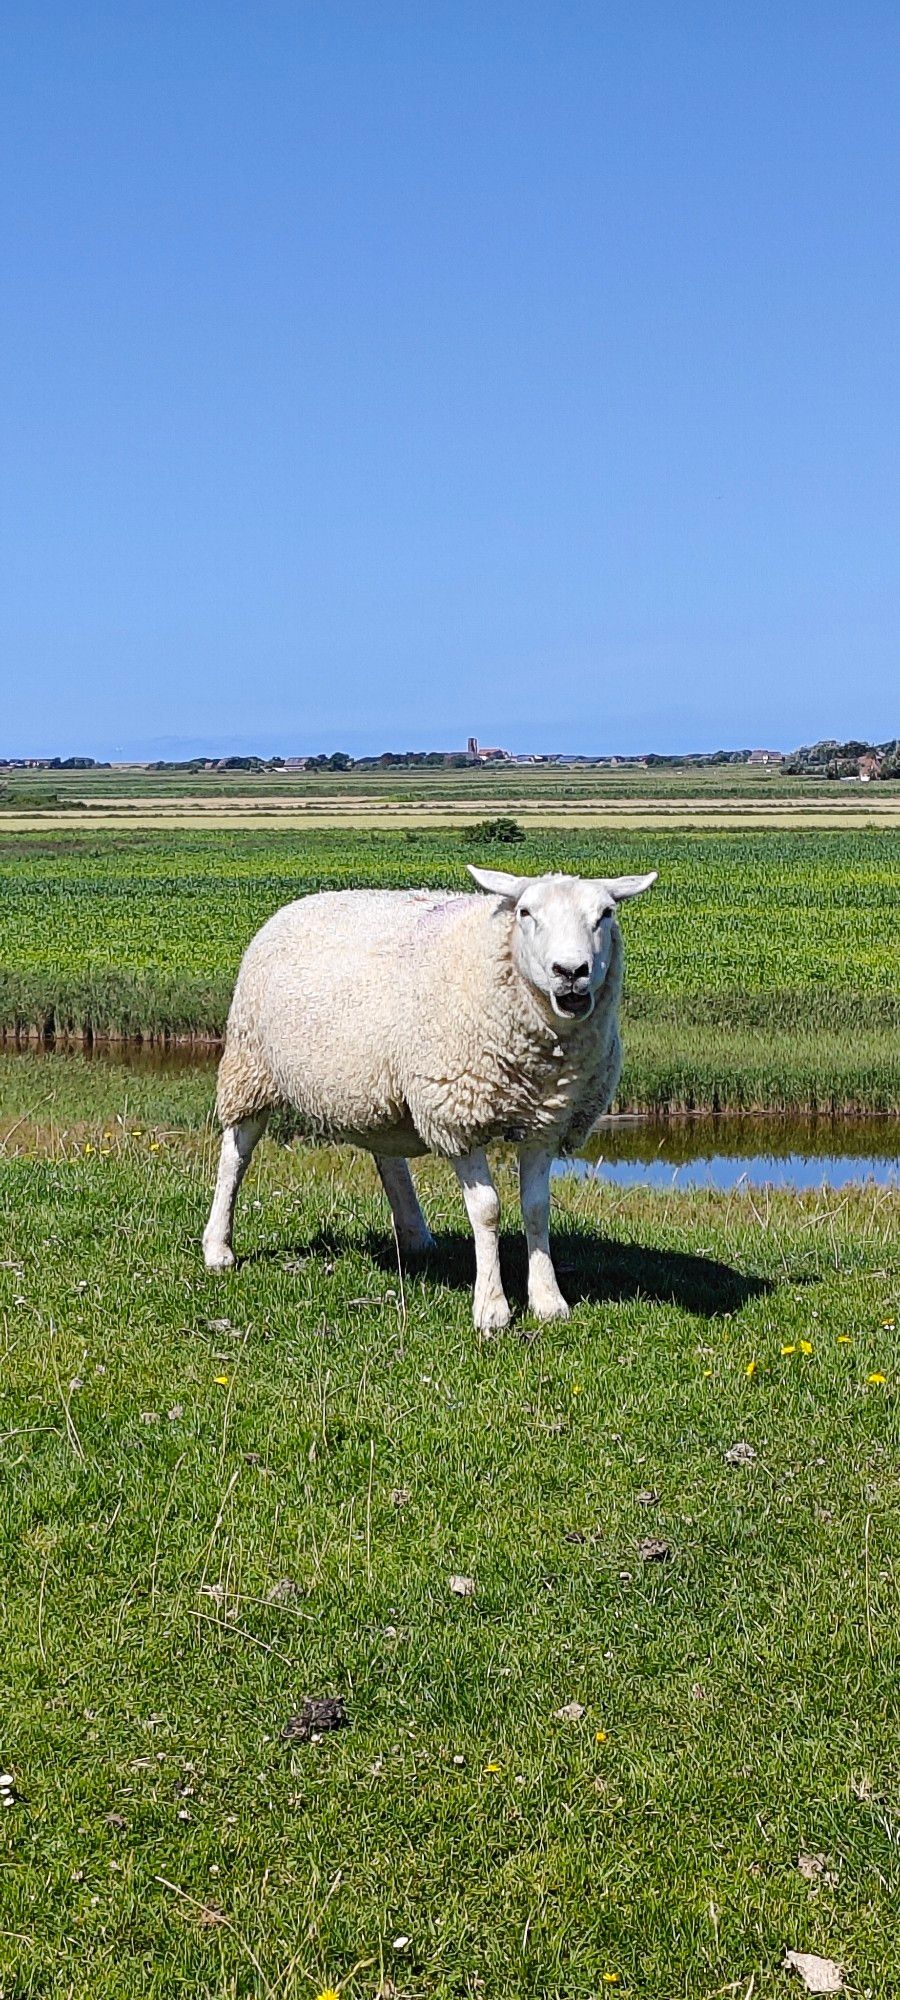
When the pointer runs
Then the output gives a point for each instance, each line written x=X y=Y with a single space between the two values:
x=422 y=1021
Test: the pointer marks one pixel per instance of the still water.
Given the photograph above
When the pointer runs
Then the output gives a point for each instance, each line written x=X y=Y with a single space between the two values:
x=731 y=1152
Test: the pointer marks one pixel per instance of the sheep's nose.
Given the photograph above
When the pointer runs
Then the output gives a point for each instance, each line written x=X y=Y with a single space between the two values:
x=571 y=973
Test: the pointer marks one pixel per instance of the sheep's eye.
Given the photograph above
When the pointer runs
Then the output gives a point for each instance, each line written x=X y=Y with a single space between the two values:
x=525 y=913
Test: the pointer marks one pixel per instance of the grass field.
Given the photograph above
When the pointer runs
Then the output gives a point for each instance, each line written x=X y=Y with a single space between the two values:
x=223 y=1497
x=542 y=796
x=485 y=786
x=419 y=801
x=762 y=971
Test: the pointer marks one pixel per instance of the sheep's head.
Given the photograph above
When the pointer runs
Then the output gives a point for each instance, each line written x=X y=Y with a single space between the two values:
x=563 y=929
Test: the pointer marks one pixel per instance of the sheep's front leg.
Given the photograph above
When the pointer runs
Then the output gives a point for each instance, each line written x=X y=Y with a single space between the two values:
x=544 y=1296
x=238 y=1142
x=413 y=1233
x=489 y=1309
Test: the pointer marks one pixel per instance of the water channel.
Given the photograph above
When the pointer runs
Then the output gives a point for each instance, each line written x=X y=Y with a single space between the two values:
x=733 y=1152
x=728 y=1152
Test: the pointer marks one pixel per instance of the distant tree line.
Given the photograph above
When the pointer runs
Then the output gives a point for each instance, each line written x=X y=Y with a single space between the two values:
x=53 y=764
x=694 y=757
x=830 y=759
x=455 y=760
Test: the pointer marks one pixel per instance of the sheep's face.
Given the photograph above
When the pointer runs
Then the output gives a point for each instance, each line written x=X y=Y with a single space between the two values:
x=563 y=932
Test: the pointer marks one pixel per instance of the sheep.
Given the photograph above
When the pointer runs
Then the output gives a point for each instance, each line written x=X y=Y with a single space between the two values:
x=411 y=1022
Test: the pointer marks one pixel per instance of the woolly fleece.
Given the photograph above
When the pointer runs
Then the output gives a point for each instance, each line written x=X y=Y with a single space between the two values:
x=398 y=1021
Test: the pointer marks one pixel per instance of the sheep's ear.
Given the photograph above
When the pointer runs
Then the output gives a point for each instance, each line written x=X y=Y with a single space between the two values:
x=510 y=887
x=624 y=886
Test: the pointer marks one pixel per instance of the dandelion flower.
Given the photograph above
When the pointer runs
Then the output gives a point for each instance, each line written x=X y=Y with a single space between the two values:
x=844 y=1340
x=789 y=1347
x=877 y=1377
x=805 y=1346
x=610 y=1979
x=706 y=1374
x=751 y=1369
x=576 y=1388
x=328 y=1993
x=599 y=1735
x=223 y=1380
x=492 y=1766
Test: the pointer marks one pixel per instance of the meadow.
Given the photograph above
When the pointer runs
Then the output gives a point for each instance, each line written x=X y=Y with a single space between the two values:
x=762 y=969
x=222 y=1497
x=652 y=1743
x=752 y=784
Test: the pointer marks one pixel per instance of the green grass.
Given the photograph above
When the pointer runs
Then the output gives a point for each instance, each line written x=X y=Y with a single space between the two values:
x=746 y=1688
x=52 y=1099
x=762 y=970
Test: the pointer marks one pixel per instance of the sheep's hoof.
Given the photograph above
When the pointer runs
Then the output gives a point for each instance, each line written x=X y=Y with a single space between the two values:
x=418 y=1245
x=551 y=1306
x=217 y=1256
x=490 y=1315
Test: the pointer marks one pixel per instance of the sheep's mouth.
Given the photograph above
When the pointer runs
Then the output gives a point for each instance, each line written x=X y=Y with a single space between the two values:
x=573 y=1006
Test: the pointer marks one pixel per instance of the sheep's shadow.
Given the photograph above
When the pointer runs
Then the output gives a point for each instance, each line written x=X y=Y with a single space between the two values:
x=591 y=1268
x=599 y=1270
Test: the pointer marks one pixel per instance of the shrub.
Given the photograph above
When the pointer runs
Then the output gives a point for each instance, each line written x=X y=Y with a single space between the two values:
x=500 y=832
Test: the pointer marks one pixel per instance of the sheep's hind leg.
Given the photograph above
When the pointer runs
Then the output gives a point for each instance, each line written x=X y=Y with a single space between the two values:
x=544 y=1296
x=413 y=1233
x=238 y=1141
x=489 y=1308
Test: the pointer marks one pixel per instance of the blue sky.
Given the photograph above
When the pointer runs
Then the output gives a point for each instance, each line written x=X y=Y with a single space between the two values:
x=378 y=374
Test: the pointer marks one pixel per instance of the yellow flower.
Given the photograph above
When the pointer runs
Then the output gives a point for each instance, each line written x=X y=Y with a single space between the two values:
x=751 y=1368
x=576 y=1388
x=88 y=1149
x=610 y=1979
x=328 y=1993
x=805 y=1346
x=223 y=1380
x=599 y=1735
x=789 y=1347
x=155 y=1147
x=876 y=1377
x=706 y=1374
x=888 y=1325
x=492 y=1767
x=844 y=1339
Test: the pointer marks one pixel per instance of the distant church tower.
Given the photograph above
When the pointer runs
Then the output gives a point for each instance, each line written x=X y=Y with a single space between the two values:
x=472 y=749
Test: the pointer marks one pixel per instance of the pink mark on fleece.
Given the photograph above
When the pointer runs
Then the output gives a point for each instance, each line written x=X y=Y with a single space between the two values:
x=436 y=911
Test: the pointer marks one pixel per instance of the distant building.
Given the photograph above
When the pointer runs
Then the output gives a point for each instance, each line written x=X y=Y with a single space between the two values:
x=478 y=753
x=766 y=757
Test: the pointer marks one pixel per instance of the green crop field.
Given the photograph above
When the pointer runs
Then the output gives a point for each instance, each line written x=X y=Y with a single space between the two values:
x=763 y=970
